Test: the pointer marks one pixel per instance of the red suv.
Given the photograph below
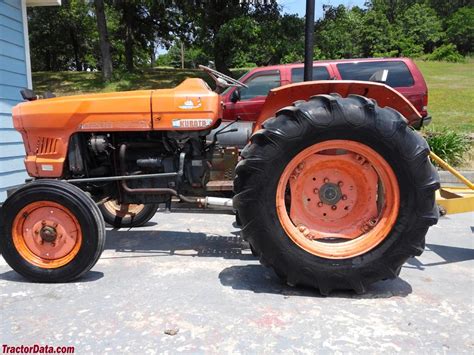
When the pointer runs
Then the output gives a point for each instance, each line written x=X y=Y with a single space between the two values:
x=402 y=75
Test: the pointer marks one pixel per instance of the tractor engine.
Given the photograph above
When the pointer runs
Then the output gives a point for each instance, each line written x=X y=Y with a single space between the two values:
x=157 y=165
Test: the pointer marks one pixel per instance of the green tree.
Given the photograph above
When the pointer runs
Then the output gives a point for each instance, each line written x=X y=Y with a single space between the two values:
x=377 y=36
x=445 y=8
x=420 y=27
x=338 y=32
x=61 y=37
x=460 y=29
x=193 y=56
x=391 y=9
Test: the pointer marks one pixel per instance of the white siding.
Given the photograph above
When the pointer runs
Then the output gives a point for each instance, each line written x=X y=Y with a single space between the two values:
x=13 y=77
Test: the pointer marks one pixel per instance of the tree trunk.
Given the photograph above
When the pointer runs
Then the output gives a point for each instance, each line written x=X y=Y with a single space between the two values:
x=152 y=55
x=220 y=60
x=106 y=59
x=75 y=48
x=128 y=20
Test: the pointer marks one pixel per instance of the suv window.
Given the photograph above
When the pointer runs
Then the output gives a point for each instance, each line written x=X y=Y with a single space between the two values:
x=398 y=73
x=319 y=73
x=260 y=84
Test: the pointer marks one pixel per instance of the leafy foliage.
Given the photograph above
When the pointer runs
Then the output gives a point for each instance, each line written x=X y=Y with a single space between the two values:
x=446 y=52
x=460 y=29
x=449 y=145
x=244 y=33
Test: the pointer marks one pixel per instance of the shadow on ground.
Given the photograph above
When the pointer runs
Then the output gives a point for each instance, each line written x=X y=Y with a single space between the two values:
x=255 y=278
x=449 y=254
x=259 y=279
x=250 y=277
x=165 y=243
x=15 y=277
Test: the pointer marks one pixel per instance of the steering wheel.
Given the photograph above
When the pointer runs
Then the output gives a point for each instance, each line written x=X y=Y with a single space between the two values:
x=221 y=79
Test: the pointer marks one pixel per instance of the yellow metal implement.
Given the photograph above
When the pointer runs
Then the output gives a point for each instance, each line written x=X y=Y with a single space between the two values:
x=454 y=199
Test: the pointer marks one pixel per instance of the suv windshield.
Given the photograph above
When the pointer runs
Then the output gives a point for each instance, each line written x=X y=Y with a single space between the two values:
x=230 y=87
x=398 y=73
x=260 y=84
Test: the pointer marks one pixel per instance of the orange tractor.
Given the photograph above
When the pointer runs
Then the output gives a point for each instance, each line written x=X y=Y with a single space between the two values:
x=333 y=188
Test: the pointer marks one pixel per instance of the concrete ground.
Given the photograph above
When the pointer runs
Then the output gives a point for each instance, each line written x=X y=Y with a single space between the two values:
x=190 y=275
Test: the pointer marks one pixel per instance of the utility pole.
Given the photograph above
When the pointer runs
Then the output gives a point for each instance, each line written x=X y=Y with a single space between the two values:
x=182 y=55
x=309 y=41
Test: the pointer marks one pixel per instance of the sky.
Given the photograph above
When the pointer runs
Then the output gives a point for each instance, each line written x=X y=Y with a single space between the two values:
x=299 y=6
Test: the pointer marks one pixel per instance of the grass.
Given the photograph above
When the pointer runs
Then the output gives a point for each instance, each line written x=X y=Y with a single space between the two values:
x=450 y=94
x=71 y=83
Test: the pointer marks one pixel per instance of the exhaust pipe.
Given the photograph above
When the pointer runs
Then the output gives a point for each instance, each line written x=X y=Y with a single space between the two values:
x=216 y=202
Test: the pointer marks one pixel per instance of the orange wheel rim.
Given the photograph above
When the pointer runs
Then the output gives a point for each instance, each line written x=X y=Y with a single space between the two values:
x=338 y=199
x=46 y=234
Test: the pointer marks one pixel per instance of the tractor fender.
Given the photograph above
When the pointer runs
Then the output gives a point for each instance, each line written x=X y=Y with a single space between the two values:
x=384 y=95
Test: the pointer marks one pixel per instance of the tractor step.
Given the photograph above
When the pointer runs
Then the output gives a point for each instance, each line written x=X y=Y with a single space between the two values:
x=220 y=185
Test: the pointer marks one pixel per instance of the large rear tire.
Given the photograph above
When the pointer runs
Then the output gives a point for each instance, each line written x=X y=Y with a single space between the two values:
x=336 y=193
x=51 y=231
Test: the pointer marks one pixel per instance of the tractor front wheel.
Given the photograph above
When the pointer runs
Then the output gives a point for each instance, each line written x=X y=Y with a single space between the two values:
x=51 y=231
x=336 y=193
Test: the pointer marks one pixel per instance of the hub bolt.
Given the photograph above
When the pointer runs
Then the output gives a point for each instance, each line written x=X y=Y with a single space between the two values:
x=320 y=204
x=334 y=207
x=316 y=191
x=326 y=180
x=344 y=197
x=340 y=183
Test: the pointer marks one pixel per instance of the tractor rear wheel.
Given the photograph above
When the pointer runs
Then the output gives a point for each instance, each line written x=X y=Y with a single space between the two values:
x=51 y=231
x=336 y=193
x=132 y=216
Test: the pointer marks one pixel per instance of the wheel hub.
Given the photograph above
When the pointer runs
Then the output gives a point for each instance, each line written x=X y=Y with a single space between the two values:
x=48 y=234
x=330 y=193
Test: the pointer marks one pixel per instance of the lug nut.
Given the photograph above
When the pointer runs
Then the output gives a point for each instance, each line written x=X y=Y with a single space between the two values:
x=340 y=183
x=320 y=204
x=344 y=197
x=326 y=180
x=334 y=207
x=316 y=191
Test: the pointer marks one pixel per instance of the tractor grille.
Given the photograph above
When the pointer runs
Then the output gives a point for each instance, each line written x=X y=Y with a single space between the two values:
x=46 y=146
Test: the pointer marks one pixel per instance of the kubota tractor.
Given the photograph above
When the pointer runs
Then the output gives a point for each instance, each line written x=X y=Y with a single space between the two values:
x=334 y=189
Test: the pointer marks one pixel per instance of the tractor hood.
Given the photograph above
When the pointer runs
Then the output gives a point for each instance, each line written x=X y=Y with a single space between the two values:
x=128 y=111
